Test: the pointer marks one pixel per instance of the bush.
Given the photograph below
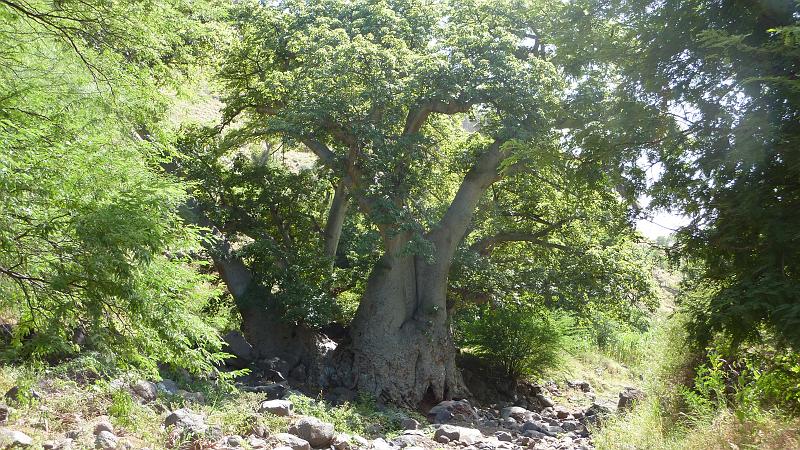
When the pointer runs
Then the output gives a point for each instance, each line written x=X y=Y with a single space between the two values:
x=521 y=340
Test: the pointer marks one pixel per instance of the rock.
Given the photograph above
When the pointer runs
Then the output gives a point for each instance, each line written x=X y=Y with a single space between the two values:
x=380 y=444
x=168 y=386
x=234 y=441
x=259 y=430
x=341 y=442
x=103 y=425
x=316 y=432
x=460 y=434
x=291 y=441
x=5 y=413
x=628 y=397
x=281 y=408
x=514 y=412
x=13 y=438
x=562 y=412
x=442 y=439
x=255 y=442
x=545 y=400
x=189 y=422
x=196 y=397
x=237 y=345
x=503 y=436
x=106 y=440
x=13 y=394
x=570 y=425
x=274 y=391
x=452 y=409
x=146 y=390
x=405 y=440
x=64 y=444
x=597 y=409
x=409 y=424
x=580 y=384
x=360 y=441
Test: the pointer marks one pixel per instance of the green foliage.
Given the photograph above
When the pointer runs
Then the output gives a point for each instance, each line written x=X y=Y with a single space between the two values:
x=723 y=76
x=121 y=406
x=92 y=250
x=352 y=418
x=521 y=340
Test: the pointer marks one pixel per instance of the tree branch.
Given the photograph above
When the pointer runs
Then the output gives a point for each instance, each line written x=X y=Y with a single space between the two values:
x=417 y=116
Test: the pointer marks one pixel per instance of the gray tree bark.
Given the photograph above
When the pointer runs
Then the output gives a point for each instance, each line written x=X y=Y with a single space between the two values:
x=401 y=349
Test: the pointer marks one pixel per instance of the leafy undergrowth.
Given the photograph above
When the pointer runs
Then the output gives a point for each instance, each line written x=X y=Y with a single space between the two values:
x=76 y=396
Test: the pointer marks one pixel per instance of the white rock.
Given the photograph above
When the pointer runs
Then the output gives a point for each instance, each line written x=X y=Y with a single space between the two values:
x=291 y=441
x=460 y=434
x=105 y=440
x=13 y=438
x=281 y=408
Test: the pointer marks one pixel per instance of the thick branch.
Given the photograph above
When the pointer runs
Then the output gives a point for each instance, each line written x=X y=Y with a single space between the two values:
x=417 y=116
x=453 y=225
x=336 y=216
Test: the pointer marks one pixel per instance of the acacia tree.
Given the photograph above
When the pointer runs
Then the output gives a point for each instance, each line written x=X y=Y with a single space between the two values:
x=378 y=92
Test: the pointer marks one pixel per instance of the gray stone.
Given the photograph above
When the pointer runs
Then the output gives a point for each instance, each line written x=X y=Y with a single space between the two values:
x=189 y=422
x=316 y=432
x=452 y=409
x=562 y=412
x=255 y=442
x=581 y=384
x=291 y=441
x=341 y=442
x=380 y=444
x=196 y=397
x=5 y=413
x=544 y=400
x=13 y=438
x=234 y=441
x=514 y=412
x=146 y=390
x=628 y=397
x=103 y=425
x=281 y=408
x=168 y=386
x=460 y=434
x=442 y=439
x=503 y=436
x=105 y=440
x=409 y=424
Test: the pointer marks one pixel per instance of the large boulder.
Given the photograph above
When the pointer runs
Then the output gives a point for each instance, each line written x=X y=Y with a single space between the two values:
x=318 y=433
x=457 y=434
x=188 y=422
x=452 y=410
x=281 y=408
x=14 y=439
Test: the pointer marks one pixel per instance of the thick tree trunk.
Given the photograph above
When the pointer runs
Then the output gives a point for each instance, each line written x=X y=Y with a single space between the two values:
x=400 y=347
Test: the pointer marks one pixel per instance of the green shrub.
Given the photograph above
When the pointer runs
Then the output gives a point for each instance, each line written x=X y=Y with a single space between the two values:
x=521 y=340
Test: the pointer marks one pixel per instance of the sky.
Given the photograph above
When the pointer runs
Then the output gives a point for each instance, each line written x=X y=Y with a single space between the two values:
x=661 y=224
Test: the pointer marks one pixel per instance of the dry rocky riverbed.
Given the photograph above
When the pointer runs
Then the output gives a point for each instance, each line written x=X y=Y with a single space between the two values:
x=450 y=424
